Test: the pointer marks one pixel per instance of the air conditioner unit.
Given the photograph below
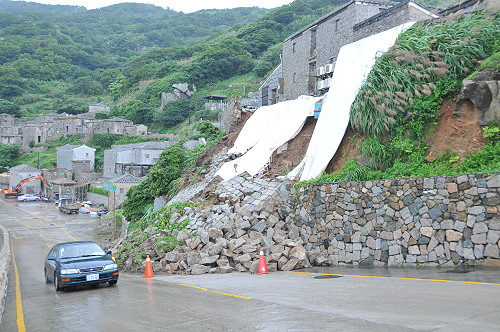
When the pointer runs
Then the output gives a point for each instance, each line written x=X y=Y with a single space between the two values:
x=320 y=71
x=329 y=68
x=321 y=85
x=328 y=82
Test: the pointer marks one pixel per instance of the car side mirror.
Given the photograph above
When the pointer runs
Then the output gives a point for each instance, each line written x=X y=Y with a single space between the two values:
x=51 y=258
x=108 y=252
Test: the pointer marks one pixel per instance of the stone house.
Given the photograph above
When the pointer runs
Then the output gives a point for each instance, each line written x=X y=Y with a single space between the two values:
x=99 y=108
x=309 y=55
x=48 y=127
x=272 y=88
x=134 y=159
x=10 y=135
x=123 y=183
x=6 y=119
x=76 y=157
x=21 y=172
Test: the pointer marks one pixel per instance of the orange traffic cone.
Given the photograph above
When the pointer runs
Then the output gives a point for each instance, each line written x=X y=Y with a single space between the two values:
x=262 y=263
x=113 y=257
x=148 y=272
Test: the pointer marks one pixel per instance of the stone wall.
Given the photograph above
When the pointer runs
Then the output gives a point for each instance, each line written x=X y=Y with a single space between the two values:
x=411 y=221
x=390 y=18
x=230 y=115
x=100 y=200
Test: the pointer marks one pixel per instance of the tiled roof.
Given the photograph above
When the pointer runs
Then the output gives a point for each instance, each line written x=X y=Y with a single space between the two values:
x=127 y=178
x=72 y=147
x=143 y=145
x=23 y=168
x=63 y=181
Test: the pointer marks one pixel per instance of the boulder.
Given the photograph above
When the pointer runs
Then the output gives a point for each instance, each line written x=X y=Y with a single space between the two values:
x=199 y=269
x=210 y=260
x=290 y=265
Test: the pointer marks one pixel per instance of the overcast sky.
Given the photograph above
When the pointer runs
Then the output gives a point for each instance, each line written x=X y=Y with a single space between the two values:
x=187 y=6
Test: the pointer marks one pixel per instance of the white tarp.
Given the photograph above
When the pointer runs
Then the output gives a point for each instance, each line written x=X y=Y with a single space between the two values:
x=267 y=129
x=354 y=63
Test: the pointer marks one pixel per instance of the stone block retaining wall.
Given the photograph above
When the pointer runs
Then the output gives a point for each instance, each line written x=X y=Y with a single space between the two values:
x=428 y=221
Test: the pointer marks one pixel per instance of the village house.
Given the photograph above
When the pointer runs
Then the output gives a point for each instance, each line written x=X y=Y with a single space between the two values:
x=134 y=159
x=47 y=127
x=99 y=108
x=22 y=172
x=76 y=157
x=309 y=55
x=123 y=183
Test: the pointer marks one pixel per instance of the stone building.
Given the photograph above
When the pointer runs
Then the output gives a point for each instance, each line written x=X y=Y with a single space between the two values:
x=309 y=55
x=272 y=88
x=10 y=135
x=123 y=183
x=134 y=159
x=99 y=108
x=6 y=119
x=76 y=157
x=21 y=172
x=47 y=127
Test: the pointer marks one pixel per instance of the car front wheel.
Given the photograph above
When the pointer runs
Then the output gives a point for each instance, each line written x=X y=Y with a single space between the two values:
x=56 y=284
x=112 y=282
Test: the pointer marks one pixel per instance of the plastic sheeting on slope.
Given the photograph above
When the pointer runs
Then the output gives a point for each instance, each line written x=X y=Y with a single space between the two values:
x=354 y=63
x=267 y=129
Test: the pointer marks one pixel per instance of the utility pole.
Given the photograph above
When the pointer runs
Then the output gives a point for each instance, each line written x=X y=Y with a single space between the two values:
x=114 y=214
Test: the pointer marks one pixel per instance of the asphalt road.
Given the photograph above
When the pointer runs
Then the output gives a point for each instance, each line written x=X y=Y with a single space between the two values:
x=329 y=299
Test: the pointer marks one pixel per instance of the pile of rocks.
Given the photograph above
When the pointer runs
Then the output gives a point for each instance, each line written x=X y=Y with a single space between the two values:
x=248 y=217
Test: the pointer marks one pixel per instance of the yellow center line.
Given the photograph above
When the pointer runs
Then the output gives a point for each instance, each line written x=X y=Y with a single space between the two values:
x=21 y=327
x=42 y=218
x=402 y=278
x=217 y=292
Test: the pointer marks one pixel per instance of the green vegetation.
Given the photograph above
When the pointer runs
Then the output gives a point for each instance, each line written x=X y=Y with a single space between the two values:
x=157 y=222
x=398 y=105
x=8 y=154
x=98 y=191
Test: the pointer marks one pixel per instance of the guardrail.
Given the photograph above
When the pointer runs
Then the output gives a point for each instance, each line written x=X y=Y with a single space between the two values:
x=5 y=259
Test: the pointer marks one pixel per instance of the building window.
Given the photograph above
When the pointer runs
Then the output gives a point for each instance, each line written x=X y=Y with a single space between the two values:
x=86 y=155
x=147 y=155
x=337 y=25
x=67 y=128
x=294 y=77
x=39 y=139
x=293 y=47
x=122 y=190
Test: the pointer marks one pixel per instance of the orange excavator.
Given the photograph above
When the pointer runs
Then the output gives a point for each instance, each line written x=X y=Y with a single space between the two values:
x=17 y=190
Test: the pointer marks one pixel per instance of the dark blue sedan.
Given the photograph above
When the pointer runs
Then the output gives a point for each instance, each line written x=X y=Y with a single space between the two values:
x=79 y=263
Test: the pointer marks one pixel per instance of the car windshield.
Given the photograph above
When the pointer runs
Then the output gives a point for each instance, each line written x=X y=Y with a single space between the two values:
x=80 y=250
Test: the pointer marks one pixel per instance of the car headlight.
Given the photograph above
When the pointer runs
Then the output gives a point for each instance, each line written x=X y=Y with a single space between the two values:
x=70 y=271
x=110 y=267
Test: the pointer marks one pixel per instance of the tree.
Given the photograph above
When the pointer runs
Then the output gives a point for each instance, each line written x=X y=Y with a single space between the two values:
x=8 y=155
x=9 y=108
x=168 y=168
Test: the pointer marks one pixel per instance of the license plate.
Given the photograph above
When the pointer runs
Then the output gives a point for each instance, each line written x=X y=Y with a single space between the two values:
x=91 y=277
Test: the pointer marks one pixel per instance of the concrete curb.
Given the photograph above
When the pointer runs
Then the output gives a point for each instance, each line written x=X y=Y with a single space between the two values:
x=5 y=261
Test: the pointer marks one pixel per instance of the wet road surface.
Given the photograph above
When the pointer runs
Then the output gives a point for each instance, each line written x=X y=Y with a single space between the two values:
x=342 y=299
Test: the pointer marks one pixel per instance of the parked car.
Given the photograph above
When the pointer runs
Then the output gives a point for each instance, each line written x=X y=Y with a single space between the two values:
x=28 y=197
x=79 y=263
